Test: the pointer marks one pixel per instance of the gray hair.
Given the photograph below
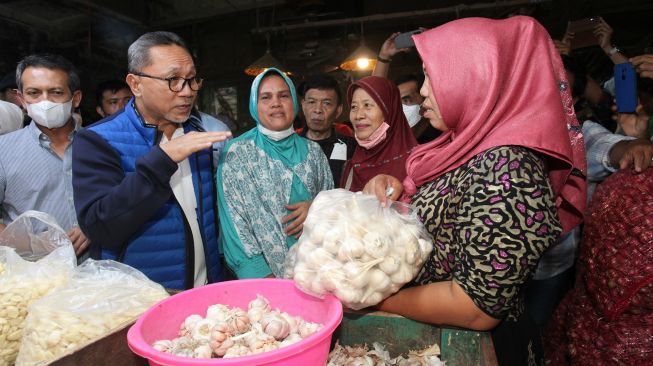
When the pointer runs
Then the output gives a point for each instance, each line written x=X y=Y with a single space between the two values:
x=52 y=62
x=138 y=55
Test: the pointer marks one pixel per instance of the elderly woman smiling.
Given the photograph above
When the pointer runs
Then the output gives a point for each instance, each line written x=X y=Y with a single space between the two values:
x=266 y=181
x=382 y=132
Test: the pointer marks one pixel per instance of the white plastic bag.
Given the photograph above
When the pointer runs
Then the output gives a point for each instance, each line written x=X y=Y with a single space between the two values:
x=100 y=297
x=35 y=235
x=356 y=249
x=21 y=284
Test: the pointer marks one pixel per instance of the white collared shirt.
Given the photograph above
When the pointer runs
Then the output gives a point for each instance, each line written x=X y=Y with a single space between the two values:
x=181 y=183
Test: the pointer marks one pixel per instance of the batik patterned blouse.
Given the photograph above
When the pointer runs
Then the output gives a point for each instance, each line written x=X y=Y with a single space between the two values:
x=491 y=220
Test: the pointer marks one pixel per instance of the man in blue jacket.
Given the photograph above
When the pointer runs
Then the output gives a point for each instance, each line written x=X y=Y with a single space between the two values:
x=143 y=178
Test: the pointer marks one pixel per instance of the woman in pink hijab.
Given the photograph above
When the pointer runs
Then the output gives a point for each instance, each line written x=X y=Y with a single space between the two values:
x=499 y=186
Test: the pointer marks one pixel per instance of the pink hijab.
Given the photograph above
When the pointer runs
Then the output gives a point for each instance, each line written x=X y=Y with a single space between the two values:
x=497 y=83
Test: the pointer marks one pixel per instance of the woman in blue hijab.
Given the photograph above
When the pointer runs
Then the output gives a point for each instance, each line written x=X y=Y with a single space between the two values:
x=266 y=179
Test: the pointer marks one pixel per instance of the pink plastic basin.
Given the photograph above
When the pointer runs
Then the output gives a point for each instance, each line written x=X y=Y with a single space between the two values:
x=162 y=321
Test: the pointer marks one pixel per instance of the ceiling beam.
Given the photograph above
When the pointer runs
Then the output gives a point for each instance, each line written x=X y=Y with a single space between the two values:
x=198 y=16
x=25 y=19
x=400 y=15
x=83 y=5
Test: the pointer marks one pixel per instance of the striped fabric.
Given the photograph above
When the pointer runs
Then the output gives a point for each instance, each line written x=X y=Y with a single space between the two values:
x=34 y=177
x=598 y=143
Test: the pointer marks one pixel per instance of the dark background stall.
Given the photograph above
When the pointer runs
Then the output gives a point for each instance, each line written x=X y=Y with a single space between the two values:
x=304 y=35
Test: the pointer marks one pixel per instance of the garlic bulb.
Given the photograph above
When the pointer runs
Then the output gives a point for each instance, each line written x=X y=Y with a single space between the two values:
x=350 y=249
x=316 y=286
x=293 y=322
x=266 y=347
x=291 y=339
x=257 y=308
x=237 y=335
x=402 y=276
x=184 y=343
x=237 y=321
x=275 y=325
x=202 y=351
x=304 y=250
x=413 y=253
x=218 y=312
x=331 y=244
x=306 y=329
x=376 y=245
x=378 y=280
x=237 y=350
x=348 y=295
x=320 y=257
x=304 y=277
x=390 y=264
x=219 y=334
x=163 y=345
x=202 y=329
x=318 y=232
x=189 y=324
x=222 y=348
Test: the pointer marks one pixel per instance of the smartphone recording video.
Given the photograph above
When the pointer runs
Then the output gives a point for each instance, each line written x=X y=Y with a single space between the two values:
x=625 y=83
x=583 y=30
x=405 y=40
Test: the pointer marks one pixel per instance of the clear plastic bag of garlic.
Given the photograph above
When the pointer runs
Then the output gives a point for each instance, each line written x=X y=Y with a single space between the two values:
x=233 y=332
x=356 y=249
x=22 y=283
x=100 y=297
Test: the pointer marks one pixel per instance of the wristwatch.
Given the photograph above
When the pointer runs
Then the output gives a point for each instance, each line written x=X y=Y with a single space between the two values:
x=614 y=50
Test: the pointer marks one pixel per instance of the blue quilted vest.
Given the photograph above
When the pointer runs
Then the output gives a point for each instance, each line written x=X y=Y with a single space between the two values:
x=163 y=248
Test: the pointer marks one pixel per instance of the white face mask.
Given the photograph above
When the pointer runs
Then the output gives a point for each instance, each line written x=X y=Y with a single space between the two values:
x=412 y=114
x=49 y=114
x=276 y=135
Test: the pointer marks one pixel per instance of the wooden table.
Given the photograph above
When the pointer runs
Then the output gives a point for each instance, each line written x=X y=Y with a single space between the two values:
x=399 y=335
x=459 y=347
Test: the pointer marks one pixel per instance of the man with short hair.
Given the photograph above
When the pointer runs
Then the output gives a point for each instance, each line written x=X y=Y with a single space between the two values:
x=322 y=105
x=143 y=179
x=8 y=90
x=35 y=162
x=409 y=86
x=111 y=96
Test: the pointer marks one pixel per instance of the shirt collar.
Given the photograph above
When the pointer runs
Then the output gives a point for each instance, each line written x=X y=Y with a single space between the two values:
x=38 y=135
x=331 y=138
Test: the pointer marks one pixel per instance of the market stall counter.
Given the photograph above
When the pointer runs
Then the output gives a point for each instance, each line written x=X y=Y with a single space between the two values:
x=396 y=333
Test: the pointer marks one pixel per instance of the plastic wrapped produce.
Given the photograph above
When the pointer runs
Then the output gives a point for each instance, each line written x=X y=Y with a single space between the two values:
x=35 y=236
x=356 y=249
x=100 y=297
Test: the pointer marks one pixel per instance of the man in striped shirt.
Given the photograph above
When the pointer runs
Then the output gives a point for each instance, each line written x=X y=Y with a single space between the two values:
x=35 y=162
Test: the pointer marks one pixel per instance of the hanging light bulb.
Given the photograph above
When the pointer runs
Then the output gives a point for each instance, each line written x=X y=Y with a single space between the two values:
x=361 y=59
x=264 y=62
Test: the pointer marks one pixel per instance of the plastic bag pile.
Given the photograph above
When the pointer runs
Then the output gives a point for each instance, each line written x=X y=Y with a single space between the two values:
x=49 y=307
x=356 y=249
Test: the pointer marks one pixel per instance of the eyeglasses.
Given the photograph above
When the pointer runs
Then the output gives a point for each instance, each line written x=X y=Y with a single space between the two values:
x=176 y=83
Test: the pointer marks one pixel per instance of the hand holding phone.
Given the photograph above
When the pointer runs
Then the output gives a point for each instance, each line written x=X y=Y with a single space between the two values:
x=405 y=40
x=625 y=82
x=583 y=32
